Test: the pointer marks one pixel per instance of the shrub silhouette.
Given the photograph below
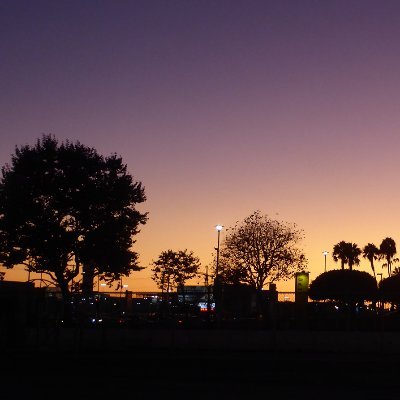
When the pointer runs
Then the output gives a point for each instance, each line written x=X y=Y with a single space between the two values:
x=389 y=289
x=348 y=286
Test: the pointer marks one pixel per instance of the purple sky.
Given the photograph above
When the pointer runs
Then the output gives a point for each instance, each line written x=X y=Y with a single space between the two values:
x=219 y=108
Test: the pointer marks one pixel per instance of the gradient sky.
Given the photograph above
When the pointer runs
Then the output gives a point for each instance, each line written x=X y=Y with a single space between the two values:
x=220 y=108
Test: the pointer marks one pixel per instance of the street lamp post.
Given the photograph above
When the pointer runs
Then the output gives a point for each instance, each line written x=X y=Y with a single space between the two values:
x=219 y=229
x=325 y=253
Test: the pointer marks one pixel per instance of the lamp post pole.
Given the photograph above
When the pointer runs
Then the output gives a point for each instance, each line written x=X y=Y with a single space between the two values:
x=219 y=229
x=325 y=253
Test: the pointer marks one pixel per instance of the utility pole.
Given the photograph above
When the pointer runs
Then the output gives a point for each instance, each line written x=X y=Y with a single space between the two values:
x=218 y=288
x=208 y=294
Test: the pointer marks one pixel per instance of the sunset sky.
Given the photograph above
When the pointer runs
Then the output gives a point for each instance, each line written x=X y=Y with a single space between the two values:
x=220 y=108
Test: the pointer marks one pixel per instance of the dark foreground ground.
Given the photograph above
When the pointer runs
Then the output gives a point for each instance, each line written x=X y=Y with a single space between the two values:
x=222 y=365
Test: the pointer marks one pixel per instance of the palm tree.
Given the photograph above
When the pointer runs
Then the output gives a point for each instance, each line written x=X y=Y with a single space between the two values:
x=371 y=252
x=353 y=254
x=347 y=253
x=340 y=252
x=387 y=251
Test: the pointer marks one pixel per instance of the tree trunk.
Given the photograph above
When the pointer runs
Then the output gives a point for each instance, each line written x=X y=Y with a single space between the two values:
x=66 y=299
x=259 y=304
x=87 y=279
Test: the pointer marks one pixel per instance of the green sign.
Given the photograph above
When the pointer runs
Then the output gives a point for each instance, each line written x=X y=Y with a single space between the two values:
x=301 y=282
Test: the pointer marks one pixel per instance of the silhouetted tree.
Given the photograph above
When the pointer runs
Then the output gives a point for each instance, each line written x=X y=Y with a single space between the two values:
x=261 y=250
x=174 y=268
x=347 y=253
x=371 y=252
x=340 y=252
x=347 y=286
x=111 y=222
x=63 y=206
x=353 y=256
x=389 y=288
x=387 y=251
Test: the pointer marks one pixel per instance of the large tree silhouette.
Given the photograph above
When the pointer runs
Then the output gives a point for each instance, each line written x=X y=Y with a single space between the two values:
x=64 y=207
x=261 y=250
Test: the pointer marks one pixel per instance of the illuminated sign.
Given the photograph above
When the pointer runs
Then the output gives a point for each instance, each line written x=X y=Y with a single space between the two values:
x=301 y=282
